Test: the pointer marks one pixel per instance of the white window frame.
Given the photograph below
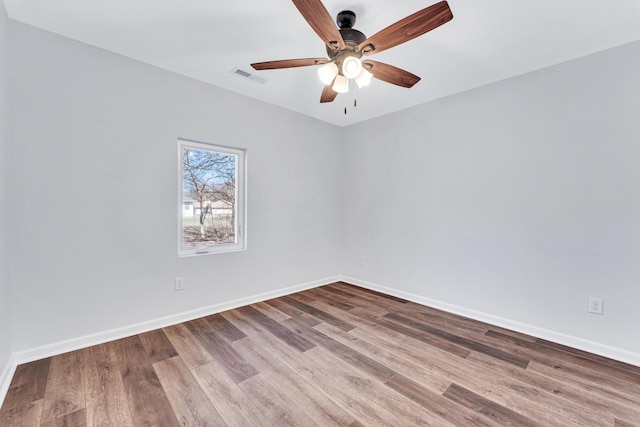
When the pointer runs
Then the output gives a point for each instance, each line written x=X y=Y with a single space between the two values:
x=240 y=200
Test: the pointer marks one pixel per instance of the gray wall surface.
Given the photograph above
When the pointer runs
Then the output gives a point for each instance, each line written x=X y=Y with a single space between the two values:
x=5 y=291
x=95 y=238
x=518 y=200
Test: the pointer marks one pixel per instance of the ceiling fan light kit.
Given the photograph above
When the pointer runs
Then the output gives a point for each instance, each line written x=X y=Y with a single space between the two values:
x=328 y=72
x=351 y=67
x=364 y=78
x=346 y=46
x=341 y=84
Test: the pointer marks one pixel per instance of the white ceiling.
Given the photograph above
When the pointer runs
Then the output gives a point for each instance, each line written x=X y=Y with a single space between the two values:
x=487 y=41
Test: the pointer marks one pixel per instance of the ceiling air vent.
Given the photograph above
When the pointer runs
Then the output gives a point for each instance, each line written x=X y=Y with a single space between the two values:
x=247 y=75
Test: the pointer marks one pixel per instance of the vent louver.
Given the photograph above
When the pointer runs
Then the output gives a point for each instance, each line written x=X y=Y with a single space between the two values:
x=247 y=75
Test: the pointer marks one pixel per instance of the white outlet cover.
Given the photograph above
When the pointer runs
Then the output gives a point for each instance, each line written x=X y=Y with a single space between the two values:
x=596 y=305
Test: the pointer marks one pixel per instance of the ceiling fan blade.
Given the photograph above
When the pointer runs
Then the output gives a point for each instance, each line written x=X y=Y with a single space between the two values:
x=328 y=94
x=319 y=19
x=407 y=29
x=288 y=63
x=390 y=74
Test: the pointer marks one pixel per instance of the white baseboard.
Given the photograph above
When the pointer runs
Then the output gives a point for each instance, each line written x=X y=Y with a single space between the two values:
x=557 y=337
x=138 y=328
x=6 y=375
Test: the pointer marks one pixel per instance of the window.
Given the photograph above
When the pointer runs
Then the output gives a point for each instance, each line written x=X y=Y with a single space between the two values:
x=211 y=199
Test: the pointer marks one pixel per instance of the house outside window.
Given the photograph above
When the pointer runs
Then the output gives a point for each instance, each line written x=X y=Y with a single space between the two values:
x=187 y=208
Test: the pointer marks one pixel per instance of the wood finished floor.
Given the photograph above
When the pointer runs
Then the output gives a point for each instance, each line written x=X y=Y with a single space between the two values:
x=335 y=355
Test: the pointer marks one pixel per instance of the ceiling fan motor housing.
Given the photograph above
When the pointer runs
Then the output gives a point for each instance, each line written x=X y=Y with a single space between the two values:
x=352 y=38
x=351 y=35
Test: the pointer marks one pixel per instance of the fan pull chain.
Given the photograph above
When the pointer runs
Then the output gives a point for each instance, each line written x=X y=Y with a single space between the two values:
x=355 y=104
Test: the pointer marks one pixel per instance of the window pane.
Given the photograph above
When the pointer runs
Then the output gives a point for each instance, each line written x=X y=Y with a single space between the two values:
x=209 y=198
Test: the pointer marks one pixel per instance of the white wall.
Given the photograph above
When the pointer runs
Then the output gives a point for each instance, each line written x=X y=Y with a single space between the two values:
x=514 y=202
x=5 y=309
x=95 y=177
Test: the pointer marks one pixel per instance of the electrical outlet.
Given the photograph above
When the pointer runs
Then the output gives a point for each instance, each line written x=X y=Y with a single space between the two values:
x=363 y=260
x=595 y=305
x=179 y=283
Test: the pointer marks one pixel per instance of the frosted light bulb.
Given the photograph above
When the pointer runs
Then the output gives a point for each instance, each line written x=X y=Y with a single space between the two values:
x=328 y=72
x=351 y=67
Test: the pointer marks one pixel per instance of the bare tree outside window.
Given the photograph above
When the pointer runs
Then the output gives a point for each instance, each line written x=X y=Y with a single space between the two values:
x=209 y=196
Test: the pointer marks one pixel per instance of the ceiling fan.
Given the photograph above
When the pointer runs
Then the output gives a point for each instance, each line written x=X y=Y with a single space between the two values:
x=346 y=46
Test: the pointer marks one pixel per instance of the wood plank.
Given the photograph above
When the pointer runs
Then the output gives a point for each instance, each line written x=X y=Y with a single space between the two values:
x=157 y=345
x=106 y=403
x=273 y=403
x=29 y=381
x=317 y=313
x=304 y=296
x=193 y=353
x=367 y=292
x=147 y=401
x=74 y=419
x=545 y=406
x=558 y=399
x=290 y=310
x=425 y=337
x=273 y=352
x=436 y=403
x=338 y=385
x=317 y=405
x=26 y=393
x=441 y=320
x=402 y=359
x=344 y=352
x=436 y=370
x=65 y=391
x=365 y=295
x=452 y=322
x=616 y=375
x=366 y=398
x=232 y=404
x=394 y=349
x=456 y=325
x=231 y=361
x=190 y=404
x=283 y=406
x=495 y=412
x=463 y=342
x=329 y=298
x=356 y=317
x=368 y=312
x=621 y=423
x=336 y=291
x=271 y=311
x=223 y=328
x=29 y=415
x=513 y=334
x=591 y=383
x=435 y=373
x=277 y=329
x=601 y=360
x=365 y=299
